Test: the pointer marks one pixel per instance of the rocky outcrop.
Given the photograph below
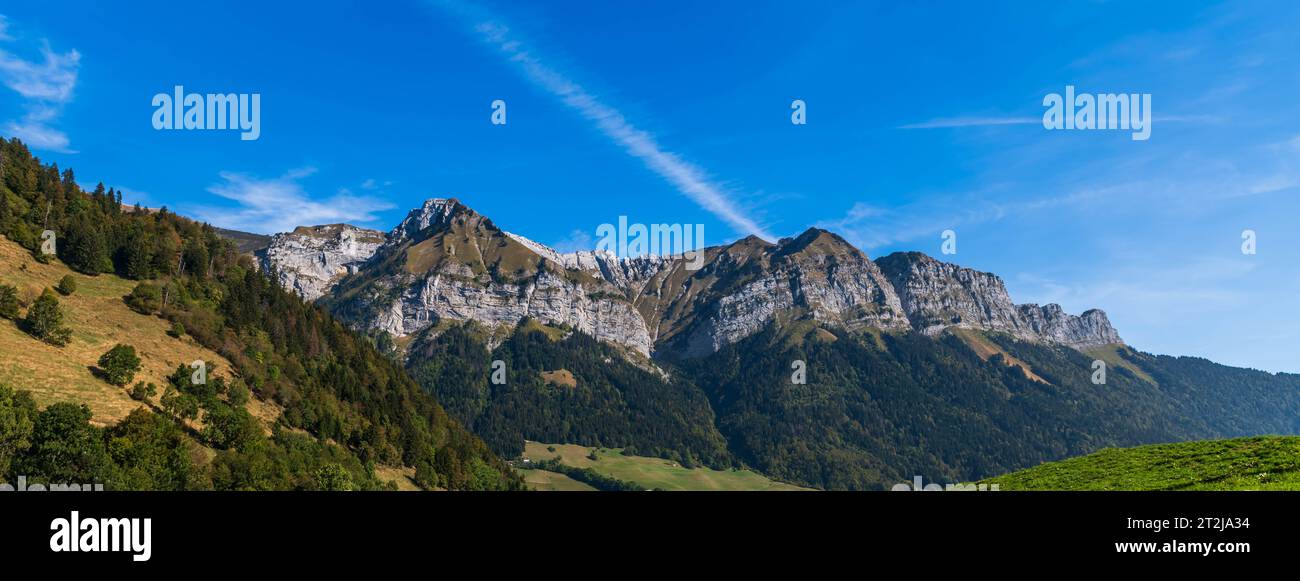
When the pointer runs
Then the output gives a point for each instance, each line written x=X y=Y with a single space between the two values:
x=937 y=295
x=312 y=259
x=449 y=295
x=1051 y=324
x=446 y=262
x=745 y=286
x=749 y=284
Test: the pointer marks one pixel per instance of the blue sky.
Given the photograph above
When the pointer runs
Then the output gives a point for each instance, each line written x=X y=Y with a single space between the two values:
x=921 y=118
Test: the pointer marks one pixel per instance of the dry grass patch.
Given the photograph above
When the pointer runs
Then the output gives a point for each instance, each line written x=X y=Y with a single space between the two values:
x=403 y=476
x=987 y=349
x=99 y=319
x=560 y=378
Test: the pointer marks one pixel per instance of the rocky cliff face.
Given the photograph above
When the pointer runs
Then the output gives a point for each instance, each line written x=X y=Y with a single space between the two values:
x=749 y=284
x=937 y=295
x=446 y=262
x=311 y=259
x=1051 y=324
x=743 y=287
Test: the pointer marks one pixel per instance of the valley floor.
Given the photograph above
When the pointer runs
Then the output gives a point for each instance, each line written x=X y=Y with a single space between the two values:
x=651 y=473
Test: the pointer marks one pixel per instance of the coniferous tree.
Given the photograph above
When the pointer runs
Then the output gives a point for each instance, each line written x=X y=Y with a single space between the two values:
x=8 y=301
x=85 y=249
x=136 y=255
x=4 y=210
x=196 y=259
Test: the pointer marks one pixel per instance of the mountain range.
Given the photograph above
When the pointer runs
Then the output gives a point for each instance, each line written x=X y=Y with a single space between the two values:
x=447 y=262
x=913 y=365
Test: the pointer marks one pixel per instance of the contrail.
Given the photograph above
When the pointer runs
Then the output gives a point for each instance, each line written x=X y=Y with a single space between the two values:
x=688 y=178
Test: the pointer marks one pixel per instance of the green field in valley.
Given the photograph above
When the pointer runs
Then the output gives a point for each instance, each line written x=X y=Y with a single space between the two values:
x=652 y=473
x=547 y=481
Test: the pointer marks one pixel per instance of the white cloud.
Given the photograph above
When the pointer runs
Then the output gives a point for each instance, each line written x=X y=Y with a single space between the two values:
x=281 y=204
x=958 y=122
x=952 y=122
x=37 y=135
x=45 y=85
x=689 y=179
x=50 y=80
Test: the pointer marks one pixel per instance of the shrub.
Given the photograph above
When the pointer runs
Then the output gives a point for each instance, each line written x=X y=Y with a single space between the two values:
x=119 y=364
x=45 y=320
x=67 y=285
x=333 y=477
x=142 y=392
x=145 y=298
x=177 y=330
x=237 y=394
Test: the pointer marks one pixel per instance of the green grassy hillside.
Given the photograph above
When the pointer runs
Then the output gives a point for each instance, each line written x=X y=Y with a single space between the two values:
x=1258 y=463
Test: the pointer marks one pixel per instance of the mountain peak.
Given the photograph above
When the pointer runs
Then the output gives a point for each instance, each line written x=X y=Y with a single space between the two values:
x=819 y=240
x=906 y=257
x=753 y=240
x=433 y=212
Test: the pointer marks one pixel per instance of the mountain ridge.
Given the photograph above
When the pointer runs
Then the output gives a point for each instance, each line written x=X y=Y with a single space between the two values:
x=475 y=270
